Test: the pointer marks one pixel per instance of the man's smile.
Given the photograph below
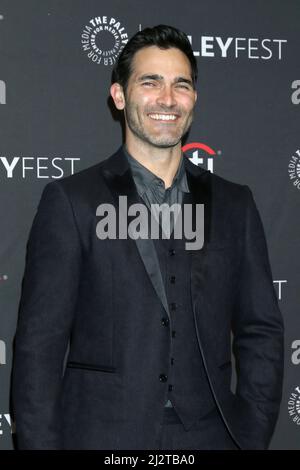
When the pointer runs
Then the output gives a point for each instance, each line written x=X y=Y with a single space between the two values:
x=163 y=117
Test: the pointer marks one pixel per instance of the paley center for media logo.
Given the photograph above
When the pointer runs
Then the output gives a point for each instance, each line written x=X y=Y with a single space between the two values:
x=294 y=405
x=103 y=38
x=294 y=169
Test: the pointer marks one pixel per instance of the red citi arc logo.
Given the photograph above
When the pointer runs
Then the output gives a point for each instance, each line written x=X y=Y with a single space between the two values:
x=195 y=148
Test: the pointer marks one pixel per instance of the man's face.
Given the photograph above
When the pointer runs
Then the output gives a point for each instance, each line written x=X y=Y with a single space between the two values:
x=160 y=97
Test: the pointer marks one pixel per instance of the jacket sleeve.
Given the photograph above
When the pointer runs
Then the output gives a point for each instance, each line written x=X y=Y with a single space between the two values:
x=46 y=311
x=258 y=331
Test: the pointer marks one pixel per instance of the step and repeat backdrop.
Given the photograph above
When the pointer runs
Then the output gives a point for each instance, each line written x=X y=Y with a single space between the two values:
x=56 y=118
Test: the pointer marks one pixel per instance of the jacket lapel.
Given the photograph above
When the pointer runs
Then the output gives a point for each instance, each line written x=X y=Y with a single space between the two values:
x=200 y=187
x=119 y=179
x=117 y=173
x=199 y=183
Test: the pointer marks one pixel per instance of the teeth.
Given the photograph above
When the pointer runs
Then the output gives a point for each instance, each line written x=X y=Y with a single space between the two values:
x=164 y=117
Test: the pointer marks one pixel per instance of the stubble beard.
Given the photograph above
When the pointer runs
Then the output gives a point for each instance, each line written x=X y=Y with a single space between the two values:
x=160 y=141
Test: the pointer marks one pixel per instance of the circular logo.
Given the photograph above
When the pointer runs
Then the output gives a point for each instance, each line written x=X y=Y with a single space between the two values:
x=294 y=406
x=102 y=39
x=294 y=169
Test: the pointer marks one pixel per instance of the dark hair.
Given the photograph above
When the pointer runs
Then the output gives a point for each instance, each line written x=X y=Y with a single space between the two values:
x=162 y=36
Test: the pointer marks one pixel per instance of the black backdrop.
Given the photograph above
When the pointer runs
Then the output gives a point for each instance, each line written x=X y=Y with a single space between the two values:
x=56 y=59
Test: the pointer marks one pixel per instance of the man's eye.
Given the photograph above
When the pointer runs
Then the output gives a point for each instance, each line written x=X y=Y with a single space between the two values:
x=182 y=85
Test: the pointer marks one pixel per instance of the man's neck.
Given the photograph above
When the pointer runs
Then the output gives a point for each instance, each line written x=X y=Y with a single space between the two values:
x=163 y=162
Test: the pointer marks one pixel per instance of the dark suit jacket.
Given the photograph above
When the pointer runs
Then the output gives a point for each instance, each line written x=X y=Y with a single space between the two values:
x=103 y=300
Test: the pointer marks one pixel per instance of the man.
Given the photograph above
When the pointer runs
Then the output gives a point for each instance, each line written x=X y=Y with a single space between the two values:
x=144 y=325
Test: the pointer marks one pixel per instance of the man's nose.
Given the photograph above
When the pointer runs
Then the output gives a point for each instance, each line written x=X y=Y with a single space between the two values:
x=167 y=97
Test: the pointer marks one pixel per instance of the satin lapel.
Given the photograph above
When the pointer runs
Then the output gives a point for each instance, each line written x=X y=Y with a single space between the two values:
x=117 y=173
x=149 y=256
x=199 y=182
x=200 y=193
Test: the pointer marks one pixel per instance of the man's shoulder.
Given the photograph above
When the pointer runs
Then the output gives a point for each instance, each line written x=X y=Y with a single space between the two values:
x=85 y=175
x=220 y=186
x=84 y=180
x=227 y=186
x=230 y=195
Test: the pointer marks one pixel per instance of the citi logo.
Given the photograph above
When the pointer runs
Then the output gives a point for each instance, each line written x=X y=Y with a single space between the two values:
x=2 y=92
x=295 y=96
x=200 y=152
x=2 y=353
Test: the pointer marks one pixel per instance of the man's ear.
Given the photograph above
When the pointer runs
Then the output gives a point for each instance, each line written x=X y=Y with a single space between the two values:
x=196 y=96
x=117 y=95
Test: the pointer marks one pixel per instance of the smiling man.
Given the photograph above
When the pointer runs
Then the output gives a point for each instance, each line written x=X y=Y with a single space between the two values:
x=158 y=107
x=125 y=343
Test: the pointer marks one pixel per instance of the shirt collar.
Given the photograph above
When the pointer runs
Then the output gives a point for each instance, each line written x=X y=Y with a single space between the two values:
x=145 y=178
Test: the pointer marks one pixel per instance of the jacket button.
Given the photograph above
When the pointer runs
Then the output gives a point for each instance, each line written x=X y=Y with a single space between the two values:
x=165 y=321
x=172 y=252
x=163 y=378
x=172 y=279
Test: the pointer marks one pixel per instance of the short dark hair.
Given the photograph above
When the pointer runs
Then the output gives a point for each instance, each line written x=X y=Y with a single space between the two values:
x=162 y=36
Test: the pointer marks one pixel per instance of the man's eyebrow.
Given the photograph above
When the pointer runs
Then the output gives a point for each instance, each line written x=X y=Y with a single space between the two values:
x=160 y=77
x=147 y=76
x=184 y=80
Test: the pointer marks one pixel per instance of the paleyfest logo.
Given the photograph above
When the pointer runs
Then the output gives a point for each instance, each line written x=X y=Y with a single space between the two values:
x=198 y=153
x=103 y=38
